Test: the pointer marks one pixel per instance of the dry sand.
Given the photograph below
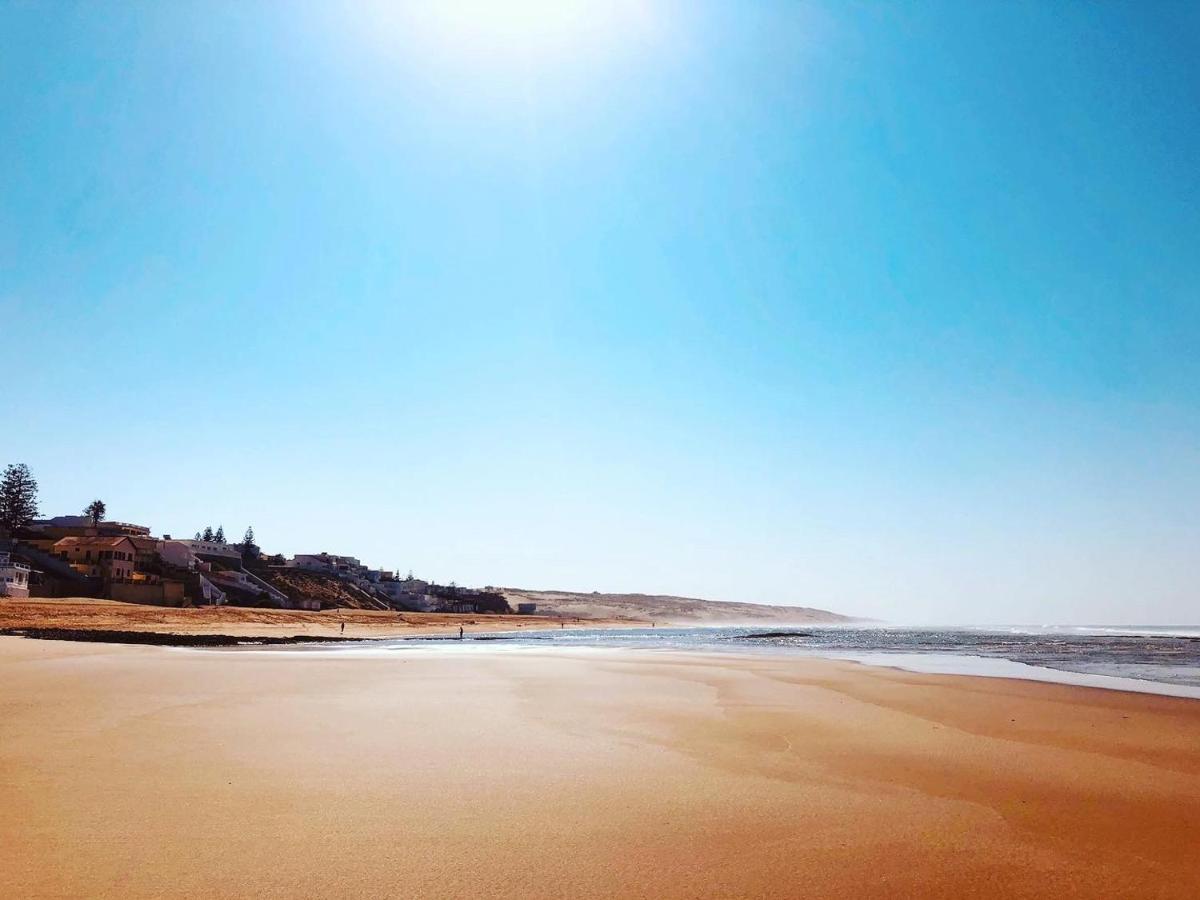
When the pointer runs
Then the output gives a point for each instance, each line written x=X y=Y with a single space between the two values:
x=143 y=771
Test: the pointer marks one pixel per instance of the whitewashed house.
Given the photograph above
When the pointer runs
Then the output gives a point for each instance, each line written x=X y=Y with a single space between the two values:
x=14 y=576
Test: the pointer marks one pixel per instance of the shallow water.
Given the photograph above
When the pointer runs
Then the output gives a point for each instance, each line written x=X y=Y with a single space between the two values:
x=1153 y=659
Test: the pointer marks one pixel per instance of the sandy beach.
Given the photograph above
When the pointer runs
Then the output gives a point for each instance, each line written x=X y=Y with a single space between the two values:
x=87 y=614
x=145 y=771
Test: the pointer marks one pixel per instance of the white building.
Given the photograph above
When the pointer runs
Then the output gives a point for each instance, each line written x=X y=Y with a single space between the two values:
x=178 y=553
x=411 y=593
x=327 y=562
x=14 y=576
x=231 y=552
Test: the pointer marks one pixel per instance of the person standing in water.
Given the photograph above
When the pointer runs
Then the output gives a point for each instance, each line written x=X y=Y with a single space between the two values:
x=460 y=632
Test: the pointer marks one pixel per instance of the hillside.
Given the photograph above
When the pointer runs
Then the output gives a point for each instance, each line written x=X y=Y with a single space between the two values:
x=666 y=609
x=330 y=591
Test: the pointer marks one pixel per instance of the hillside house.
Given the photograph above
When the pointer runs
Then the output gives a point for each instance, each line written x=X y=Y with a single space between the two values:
x=410 y=593
x=110 y=558
x=406 y=595
x=81 y=526
x=330 y=564
x=230 y=554
x=180 y=555
x=14 y=576
x=145 y=552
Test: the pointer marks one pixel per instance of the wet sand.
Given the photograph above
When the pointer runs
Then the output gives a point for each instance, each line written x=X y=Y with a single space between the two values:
x=143 y=771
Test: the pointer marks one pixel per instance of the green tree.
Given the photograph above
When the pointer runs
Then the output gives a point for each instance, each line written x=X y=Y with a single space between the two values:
x=18 y=497
x=249 y=548
x=208 y=533
x=95 y=511
x=219 y=534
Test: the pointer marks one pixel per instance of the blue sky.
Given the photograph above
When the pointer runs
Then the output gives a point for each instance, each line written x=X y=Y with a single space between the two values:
x=890 y=309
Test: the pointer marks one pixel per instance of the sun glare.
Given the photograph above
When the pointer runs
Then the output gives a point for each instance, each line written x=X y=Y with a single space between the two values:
x=529 y=31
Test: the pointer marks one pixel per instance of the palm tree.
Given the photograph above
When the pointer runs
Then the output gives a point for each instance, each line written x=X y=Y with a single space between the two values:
x=95 y=511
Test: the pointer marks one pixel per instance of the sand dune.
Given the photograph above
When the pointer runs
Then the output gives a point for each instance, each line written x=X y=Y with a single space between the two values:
x=666 y=609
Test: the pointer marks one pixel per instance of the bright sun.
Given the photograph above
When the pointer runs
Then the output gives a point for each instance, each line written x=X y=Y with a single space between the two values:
x=532 y=31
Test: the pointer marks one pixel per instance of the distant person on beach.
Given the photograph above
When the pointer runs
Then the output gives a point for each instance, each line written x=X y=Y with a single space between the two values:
x=460 y=632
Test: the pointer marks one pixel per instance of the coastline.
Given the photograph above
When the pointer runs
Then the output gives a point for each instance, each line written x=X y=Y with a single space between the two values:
x=104 y=621
x=232 y=624
x=136 y=771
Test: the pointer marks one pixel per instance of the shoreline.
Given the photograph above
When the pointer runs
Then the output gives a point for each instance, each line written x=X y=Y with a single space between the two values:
x=974 y=666
x=1030 y=674
x=103 y=621
x=133 y=772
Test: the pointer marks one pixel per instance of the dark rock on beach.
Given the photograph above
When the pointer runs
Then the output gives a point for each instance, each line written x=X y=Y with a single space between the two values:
x=159 y=638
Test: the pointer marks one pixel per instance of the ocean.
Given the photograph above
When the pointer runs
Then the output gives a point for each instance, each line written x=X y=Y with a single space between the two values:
x=1150 y=659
